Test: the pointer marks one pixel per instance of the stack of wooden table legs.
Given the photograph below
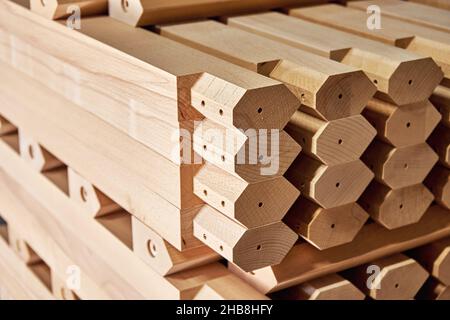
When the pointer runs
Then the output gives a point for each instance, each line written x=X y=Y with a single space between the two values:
x=175 y=146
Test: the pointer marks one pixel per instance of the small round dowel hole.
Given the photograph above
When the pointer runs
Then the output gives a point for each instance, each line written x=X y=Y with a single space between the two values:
x=375 y=81
x=83 y=194
x=221 y=248
x=260 y=204
x=340 y=96
x=205 y=147
x=221 y=112
x=204 y=236
x=258 y=247
x=205 y=192
x=203 y=103
x=125 y=5
x=401 y=206
x=151 y=248
x=338 y=185
x=260 y=110
x=333 y=226
x=397 y=286
x=302 y=96
x=223 y=158
x=222 y=203
x=410 y=82
x=408 y=125
x=340 y=141
x=405 y=166
x=31 y=151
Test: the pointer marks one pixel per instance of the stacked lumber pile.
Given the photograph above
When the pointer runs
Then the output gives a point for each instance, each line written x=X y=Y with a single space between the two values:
x=284 y=155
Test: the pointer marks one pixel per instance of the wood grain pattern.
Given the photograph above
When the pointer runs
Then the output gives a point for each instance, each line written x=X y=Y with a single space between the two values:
x=401 y=77
x=304 y=262
x=60 y=9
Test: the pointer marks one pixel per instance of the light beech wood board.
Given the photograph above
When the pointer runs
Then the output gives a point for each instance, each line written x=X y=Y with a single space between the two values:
x=327 y=90
x=326 y=228
x=401 y=76
x=331 y=287
x=22 y=248
x=95 y=154
x=304 y=262
x=249 y=248
x=417 y=13
x=438 y=181
x=435 y=258
x=60 y=9
x=252 y=205
x=440 y=142
x=64 y=219
x=19 y=282
x=399 y=167
x=402 y=126
x=148 y=12
x=329 y=186
x=422 y=40
x=60 y=290
x=396 y=208
x=395 y=278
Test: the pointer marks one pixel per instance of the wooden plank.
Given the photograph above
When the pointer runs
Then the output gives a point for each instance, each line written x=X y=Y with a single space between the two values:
x=162 y=256
x=419 y=39
x=397 y=278
x=405 y=126
x=326 y=228
x=249 y=248
x=399 y=167
x=104 y=156
x=148 y=12
x=396 y=208
x=443 y=4
x=329 y=186
x=17 y=279
x=441 y=100
x=401 y=76
x=438 y=181
x=326 y=89
x=60 y=290
x=60 y=9
x=22 y=248
x=330 y=287
x=417 y=13
x=435 y=258
x=304 y=262
x=63 y=219
x=440 y=142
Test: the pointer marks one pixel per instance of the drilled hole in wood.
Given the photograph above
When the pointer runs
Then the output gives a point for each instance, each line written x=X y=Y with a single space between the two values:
x=410 y=82
x=223 y=158
x=405 y=166
x=203 y=103
x=340 y=141
x=205 y=147
x=401 y=206
x=204 y=236
x=83 y=194
x=397 y=286
x=221 y=112
x=260 y=110
x=31 y=151
x=408 y=125
x=125 y=5
x=258 y=247
x=333 y=226
x=151 y=248
x=340 y=96
x=338 y=185
x=221 y=248
x=223 y=203
x=260 y=204
x=375 y=81
x=205 y=192
x=302 y=96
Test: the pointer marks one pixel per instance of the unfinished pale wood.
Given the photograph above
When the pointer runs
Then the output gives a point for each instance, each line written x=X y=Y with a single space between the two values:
x=329 y=186
x=41 y=159
x=250 y=249
x=148 y=12
x=60 y=290
x=99 y=254
x=399 y=167
x=433 y=290
x=330 y=287
x=6 y=127
x=60 y=9
x=252 y=205
x=95 y=202
x=435 y=258
x=401 y=76
x=158 y=70
x=326 y=228
x=399 y=278
x=440 y=142
x=333 y=142
x=438 y=181
x=17 y=279
x=21 y=247
x=441 y=100
x=402 y=126
x=396 y=208
x=100 y=159
x=253 y=155
x=225 y=288
x=412 y=12
x=419 y=39
x=443 y=4
x=304 y=262
x=326 y=89
x=162 y=256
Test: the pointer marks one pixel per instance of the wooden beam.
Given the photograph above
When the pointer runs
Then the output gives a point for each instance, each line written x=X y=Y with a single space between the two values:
x=399 y=167
x=443 y=4
x=438 y=181
x=60 y=9
x=419 y=14
x=441 y=100
x=422 y=40
x=22 y=248
x=401 y=77
x=440 y=142
x=304 y=262
x=395 y=208
x=326 y=228
x=326 y=89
